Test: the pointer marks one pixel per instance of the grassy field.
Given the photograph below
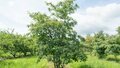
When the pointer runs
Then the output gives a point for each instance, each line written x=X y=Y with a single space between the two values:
x=30 y=62
x=94 y=62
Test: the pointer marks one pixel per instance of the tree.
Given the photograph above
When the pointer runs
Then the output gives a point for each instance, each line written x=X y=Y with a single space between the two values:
x=118 y=30
x=55 y=35
x=114 y=49
x=100 y=44
x=6 y=42
x=88 y=43
x=22 y=44
x=114 y=45
x=15 y=43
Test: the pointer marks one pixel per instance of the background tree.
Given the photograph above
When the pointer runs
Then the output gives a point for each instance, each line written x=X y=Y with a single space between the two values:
x=6 y=42
x=118 y=30
x=15 y=44
x=114 y=45
x=88 y=43
x=100 y=44
x=23 y=44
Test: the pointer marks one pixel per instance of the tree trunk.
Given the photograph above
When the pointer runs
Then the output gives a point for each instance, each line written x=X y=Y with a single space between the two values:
x=57 y=62
x=14 y=55
x=56 y=65
x=25 y=54
x=62 y=66
x=116 y=58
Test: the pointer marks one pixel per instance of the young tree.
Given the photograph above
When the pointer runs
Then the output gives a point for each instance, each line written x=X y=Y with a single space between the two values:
x=100 y=44
x=55 y=35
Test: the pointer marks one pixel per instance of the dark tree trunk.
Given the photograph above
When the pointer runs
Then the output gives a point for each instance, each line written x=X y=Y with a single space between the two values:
x=25 y=54
x=57 y=62
x=116 y=58
x=14 y=55
x=56 y=65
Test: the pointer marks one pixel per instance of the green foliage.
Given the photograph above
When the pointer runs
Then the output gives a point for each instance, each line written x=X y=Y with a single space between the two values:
x=114 y=49
x=88 y=43
x=99 y=43
x=63 y=9
x=103 y=44
x=15 y=44
x=118 y=30
x=6 y=42
x=114 y=46
x=55 y=34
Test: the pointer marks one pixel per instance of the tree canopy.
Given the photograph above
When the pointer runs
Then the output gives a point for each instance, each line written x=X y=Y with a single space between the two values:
x=55 y=34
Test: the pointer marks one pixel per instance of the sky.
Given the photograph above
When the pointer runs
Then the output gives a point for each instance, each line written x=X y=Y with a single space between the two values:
x=92 y=16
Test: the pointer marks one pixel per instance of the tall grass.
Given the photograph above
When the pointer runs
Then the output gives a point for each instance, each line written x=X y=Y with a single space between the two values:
x=30 y=62
x=94 y=62
x=24 y=63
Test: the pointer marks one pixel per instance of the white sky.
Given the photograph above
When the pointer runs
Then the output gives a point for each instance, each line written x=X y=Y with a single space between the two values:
x=100 y=16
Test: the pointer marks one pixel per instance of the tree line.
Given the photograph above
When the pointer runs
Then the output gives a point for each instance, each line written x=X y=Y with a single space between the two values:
x=102 y=44
x=16 y=45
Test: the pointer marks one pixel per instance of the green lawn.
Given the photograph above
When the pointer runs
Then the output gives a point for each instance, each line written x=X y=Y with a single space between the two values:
x=30 y=62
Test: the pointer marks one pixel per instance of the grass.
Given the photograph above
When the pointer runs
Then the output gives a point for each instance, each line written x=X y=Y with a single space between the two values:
x=94 y=62
x=30 y=62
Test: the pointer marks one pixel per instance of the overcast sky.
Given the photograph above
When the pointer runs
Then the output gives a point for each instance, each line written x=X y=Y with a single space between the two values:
x=92 y=16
